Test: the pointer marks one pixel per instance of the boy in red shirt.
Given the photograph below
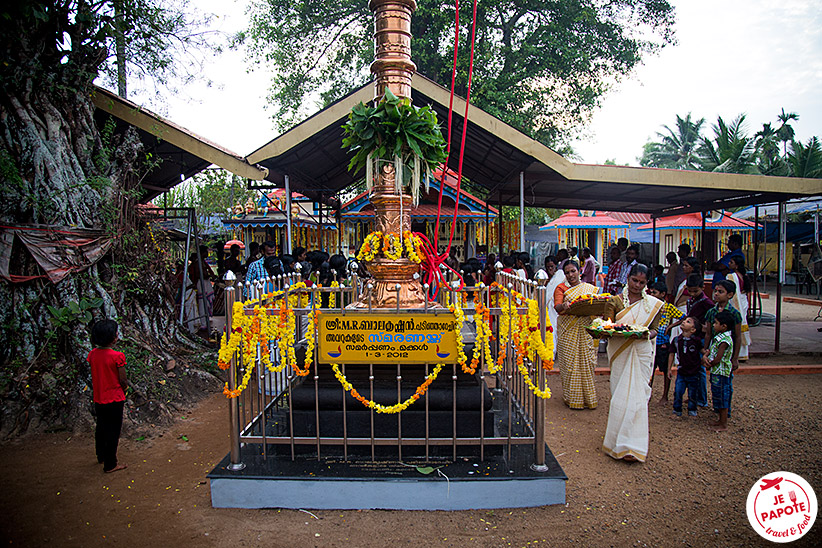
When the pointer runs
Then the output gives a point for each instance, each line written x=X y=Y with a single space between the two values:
x=108 y=379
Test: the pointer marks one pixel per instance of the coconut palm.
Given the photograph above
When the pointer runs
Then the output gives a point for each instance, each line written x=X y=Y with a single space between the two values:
x=676 y=148
x=785 y=132
x=770 y=161
x=806 y=160
x=731 y=151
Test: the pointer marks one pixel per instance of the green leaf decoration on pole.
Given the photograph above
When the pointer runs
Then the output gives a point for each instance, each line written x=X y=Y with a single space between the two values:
x=395 y=128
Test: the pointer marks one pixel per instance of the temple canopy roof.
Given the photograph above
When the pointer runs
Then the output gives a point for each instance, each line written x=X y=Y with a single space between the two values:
x=723 y=221
x=359 y=208
x=181 y=153
x=495 y=154
x=575 y=219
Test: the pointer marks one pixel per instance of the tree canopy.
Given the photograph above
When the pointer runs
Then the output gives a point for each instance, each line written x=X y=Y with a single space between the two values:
x=541 y=66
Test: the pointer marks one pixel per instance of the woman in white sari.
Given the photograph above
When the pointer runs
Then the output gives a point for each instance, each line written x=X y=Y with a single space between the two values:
x=556 y=277
x=632 y=362
x=740 y=301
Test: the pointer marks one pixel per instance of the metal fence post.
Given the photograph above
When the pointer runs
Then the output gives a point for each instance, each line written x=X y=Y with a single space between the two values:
x=233 y=403
x=539 y=403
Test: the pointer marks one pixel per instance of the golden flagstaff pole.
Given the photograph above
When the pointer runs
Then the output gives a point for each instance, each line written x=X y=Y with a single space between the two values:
x=393 y=278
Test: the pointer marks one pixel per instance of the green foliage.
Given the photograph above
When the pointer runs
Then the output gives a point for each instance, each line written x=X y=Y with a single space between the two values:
x=393 y=128
x=63 y=318
x=210 y=192
x=732 y=150
x=806 y=160
x=677 y=149
x=533 y=215
x=539 y=66
x=67 y=44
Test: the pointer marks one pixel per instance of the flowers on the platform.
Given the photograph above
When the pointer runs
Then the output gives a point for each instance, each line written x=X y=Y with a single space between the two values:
x=387 y=409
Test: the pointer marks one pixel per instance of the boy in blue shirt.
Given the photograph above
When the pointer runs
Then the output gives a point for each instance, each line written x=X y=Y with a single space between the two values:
x=687 y=349
x=719 y=361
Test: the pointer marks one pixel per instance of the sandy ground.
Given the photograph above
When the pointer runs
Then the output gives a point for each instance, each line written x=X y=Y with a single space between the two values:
x=792 y=311
x=691 y=491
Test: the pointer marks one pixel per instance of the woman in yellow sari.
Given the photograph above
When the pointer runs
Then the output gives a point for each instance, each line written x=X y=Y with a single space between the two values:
x=576 y=350
x=632 y=363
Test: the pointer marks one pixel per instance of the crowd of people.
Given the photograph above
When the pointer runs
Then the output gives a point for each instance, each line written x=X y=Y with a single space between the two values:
x=703 y=336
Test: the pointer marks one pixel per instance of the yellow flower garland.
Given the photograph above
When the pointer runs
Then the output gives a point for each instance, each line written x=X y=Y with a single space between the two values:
x=461 y=357
x=388 y=409
x=370 y=247
x=524 y=344
x=413 y=247
x=392 y=246
x=332 y=297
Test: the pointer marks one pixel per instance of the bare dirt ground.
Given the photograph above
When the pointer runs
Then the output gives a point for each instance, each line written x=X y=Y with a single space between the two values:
x=691 y=491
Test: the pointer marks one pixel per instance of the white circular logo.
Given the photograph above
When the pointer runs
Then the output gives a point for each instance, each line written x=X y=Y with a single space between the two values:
x=781 y=507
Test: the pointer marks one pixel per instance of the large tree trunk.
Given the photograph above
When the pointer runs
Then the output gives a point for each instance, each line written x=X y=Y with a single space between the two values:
x=57 y=171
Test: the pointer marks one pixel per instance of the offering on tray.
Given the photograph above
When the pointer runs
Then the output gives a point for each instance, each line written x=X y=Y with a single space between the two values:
x=589 y=305
x=601 y=327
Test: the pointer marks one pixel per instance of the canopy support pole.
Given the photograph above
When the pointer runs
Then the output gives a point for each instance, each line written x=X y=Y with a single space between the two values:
x=500 y=219
x=288 y=215
x=487 y=231
x=522 y=210
x=780 y=269
x=702 y=247
x=654 y=248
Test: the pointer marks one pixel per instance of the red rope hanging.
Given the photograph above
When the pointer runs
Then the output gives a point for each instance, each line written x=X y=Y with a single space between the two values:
x=434 y=277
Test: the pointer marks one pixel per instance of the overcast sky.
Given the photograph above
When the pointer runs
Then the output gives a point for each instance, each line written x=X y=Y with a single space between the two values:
x=732 y=57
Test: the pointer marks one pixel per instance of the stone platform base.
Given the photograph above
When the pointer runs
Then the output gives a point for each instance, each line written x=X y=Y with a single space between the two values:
x=332 y=483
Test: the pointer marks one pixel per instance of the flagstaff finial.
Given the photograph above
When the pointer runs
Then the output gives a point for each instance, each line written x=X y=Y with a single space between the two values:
x=392 y=65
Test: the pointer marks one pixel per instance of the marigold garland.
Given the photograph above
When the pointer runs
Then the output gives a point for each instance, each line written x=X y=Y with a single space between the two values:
x=388 y=409
x=526 y=338
x=460 y=317
x=370 y=247
x=332 y=297
x=482 y=344
x=413 y=247
x=392 y=246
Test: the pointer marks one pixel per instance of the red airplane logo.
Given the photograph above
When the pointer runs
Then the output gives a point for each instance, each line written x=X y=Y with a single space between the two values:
x=768 y=483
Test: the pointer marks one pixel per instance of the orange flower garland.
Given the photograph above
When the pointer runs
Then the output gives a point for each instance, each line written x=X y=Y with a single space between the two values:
x=387 y=409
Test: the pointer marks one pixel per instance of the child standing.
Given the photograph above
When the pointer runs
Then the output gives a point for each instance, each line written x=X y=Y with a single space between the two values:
x=668 y=314
x=721 y=366
x=687 y=349
x=724 y=291
x=108 y=379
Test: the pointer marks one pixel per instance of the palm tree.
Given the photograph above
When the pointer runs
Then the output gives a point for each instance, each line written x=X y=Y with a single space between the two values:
x=731 y=151
x=770 y=162
x=806 y=160
x=785 y=132
x=676 y=148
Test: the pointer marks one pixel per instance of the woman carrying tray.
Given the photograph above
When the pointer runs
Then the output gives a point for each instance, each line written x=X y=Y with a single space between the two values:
x=631 y=360
x=576 y=350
